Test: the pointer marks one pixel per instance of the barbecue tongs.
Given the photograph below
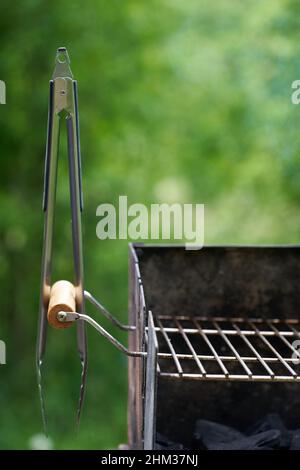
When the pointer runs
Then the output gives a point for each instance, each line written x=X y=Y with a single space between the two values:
x=62 y=303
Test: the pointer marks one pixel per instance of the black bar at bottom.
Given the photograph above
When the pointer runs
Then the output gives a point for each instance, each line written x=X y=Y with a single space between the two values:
x=138 y=459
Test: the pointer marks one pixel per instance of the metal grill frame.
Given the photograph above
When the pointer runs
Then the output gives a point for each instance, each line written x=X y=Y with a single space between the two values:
x=145 y=375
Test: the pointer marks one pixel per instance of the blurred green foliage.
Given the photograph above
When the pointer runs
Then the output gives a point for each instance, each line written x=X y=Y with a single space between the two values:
x=179 y=101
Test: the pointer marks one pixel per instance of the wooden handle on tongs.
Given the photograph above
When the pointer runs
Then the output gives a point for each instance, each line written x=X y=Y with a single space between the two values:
x=62 y=298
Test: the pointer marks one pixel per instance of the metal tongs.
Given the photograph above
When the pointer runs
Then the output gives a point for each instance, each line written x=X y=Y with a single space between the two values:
x=62 y=303
x=62 y=104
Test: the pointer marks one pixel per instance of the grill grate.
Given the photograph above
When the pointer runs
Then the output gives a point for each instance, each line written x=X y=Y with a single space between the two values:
x=219 y=348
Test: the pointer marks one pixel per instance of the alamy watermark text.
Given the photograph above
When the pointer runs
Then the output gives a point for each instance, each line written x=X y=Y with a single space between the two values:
x=180 y=222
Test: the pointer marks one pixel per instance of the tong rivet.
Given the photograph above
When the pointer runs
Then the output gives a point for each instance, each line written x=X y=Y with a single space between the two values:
x=61 y=316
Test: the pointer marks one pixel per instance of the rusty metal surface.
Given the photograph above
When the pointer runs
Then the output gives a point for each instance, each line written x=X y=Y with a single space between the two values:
x=225 y=281
x=136 y=371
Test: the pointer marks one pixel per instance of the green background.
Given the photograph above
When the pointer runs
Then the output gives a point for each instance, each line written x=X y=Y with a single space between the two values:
x=186 y=101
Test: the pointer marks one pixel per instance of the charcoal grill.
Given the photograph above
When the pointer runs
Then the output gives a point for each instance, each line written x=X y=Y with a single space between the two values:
x=218 y=326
